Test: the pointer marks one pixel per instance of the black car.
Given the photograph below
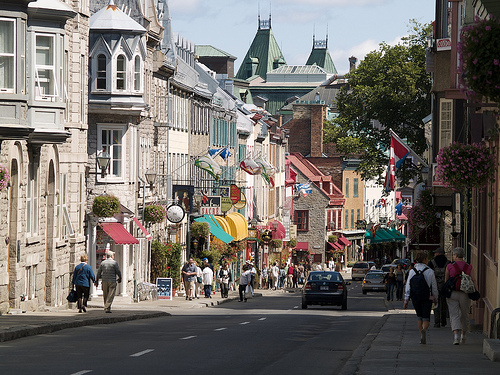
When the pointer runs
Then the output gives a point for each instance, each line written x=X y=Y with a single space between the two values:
x=325 y=288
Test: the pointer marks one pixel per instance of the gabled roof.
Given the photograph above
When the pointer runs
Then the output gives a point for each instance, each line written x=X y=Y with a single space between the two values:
x=112 y=18
x=211 y=51
x=321 y=56
x=311 y=172
x=266 y=50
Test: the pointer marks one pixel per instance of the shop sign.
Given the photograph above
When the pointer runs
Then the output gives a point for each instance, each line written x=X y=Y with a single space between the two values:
x=211 y=205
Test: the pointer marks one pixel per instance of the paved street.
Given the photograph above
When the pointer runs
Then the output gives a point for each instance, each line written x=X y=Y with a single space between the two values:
x=268 y=334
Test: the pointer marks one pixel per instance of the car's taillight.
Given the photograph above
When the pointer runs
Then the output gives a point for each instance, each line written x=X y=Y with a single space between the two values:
x=366 y=282
x=307 y=287
x=340 y=287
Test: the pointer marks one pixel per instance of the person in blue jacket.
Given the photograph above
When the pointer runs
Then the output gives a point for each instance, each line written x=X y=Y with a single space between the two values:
x=82 y=275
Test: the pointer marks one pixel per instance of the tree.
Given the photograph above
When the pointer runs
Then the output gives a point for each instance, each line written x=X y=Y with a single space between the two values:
x=390 y=87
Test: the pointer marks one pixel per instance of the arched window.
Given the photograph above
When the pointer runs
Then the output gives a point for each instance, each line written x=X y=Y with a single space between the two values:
x=137 y=74
x=121 y=73
x=101 y=72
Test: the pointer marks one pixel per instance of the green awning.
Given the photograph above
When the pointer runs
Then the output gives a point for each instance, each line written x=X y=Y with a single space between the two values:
x=215 y=228
x=384 y=235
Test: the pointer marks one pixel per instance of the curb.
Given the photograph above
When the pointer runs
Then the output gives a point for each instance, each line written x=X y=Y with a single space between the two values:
x=351 y=366
x=16 y=333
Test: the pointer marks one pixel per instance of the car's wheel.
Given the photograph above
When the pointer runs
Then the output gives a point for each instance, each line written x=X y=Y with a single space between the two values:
x=344 y=304
x=304 y=305
x=364 y=291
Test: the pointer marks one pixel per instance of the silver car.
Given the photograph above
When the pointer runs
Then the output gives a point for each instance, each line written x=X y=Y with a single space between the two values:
x=374 y=282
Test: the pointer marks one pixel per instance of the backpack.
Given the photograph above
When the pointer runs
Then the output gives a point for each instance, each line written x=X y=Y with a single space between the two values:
x=464 y=281
x=419 y=289
x=439 y=272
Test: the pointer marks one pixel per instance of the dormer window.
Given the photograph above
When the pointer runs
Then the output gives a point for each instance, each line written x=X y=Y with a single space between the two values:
x=121 y=72
x=137 y=74
x=102 y=77
x=45 y=68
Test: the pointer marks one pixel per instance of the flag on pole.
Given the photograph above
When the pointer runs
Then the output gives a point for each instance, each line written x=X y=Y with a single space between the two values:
x=305 y=189
x=224 y=153
x=210 y=165
x=250 y=166
x=399 y=152
x=267 y=170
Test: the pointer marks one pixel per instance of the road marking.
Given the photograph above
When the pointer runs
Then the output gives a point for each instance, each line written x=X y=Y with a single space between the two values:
x=220 y=329
x=262 y=318
x=81 y=372
x=187 y=337
x=296 y=307
x=142 y=353
x=243 y=323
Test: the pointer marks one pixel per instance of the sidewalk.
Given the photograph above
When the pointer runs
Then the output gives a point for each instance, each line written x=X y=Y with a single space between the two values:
x=393 y=347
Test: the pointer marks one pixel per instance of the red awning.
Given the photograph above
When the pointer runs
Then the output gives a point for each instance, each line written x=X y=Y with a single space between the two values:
x=302 y=246
x=293 y=178
x=119 y=234
x=344 y=241
x=280 y=231
x=146 y=233
x=334 y=245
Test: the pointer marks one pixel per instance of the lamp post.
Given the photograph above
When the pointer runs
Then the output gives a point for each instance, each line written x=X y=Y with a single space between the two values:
x=150 y=176
x=103 y=160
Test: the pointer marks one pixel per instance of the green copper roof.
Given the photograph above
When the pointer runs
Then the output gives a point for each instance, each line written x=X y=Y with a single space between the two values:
x=263 y=55
x=321 y=56
x=211 y=51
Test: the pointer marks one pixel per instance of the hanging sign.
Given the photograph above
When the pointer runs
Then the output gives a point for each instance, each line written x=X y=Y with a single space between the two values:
x=211 y=205
x=235 y=193
x=241 y=203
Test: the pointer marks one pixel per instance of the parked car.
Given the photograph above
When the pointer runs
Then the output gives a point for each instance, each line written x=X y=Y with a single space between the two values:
x=373 y=282
x=359 y=270
x=404 y=262
x=325 y=288
x=386 y=267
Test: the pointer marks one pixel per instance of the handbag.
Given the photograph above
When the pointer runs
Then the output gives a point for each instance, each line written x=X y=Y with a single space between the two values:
x=449 y=286
x=199 y=279
x=474 y=296
x=72 y=296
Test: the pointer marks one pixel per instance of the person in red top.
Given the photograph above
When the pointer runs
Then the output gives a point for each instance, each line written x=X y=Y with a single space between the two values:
x=458 y=303
x=289 y=275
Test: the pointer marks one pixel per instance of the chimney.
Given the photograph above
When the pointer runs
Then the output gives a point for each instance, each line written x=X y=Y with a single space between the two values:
x=352 y=63
x=317 y=119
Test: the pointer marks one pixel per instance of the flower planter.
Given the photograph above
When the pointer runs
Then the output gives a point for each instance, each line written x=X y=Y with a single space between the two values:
x=154 y=213
x=105 y=206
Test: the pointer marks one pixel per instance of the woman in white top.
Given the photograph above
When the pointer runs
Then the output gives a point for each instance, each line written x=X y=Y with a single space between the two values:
x=208 y=278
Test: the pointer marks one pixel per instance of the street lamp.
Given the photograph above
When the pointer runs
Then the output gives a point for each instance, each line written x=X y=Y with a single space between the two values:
x=150 y=177
x=103 y=160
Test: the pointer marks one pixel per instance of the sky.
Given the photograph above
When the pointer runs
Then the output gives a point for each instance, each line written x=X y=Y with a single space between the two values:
x=354 y=27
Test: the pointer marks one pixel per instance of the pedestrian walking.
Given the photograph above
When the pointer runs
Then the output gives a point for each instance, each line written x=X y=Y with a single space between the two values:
x=189 y=273
x=390 y=283
x=244 y=280
x=282 y=279
x=82 y=276
x=400 y=282
x=275 y=272
x=265 y=276
x=289 y=276
x=225 y=278
x=208 y=279
x=110 y=273
x=438 y=265
x=421 y=287
x=295 y=277
x=458 y=302
x=198 y=282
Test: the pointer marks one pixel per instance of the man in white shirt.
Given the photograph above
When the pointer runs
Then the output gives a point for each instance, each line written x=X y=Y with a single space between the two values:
x=275 y=272
x=244 y=281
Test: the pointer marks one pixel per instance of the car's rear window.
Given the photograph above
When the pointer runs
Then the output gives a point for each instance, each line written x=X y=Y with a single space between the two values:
x=360 y=265
x=324 y=276
x=374 y=276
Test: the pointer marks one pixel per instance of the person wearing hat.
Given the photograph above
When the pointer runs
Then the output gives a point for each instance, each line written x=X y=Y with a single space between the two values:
x=438 y=265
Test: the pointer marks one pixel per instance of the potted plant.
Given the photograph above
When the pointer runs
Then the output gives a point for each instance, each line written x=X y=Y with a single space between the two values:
x=292 y=243
x=332 y=238
x=105 y=205
x=276 y=243
x=199 y=229
x=463 y=166
x=4 y=177
x=479 y=63
x=154 y=213
x=423 y=213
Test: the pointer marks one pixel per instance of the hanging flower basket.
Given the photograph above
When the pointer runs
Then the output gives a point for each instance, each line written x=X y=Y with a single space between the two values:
x=199 y=229
x=292 y=243
x=4 y=177
x=478 y=58
x=154 y=213
x=105 y=206
x=276 y=244
x=461 y=166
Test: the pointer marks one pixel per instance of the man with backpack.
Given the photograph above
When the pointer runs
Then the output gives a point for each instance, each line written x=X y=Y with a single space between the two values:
x=438 y=265
x=421 y=287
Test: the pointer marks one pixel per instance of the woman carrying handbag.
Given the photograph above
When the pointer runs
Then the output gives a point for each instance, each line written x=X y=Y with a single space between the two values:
x=82 y=275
